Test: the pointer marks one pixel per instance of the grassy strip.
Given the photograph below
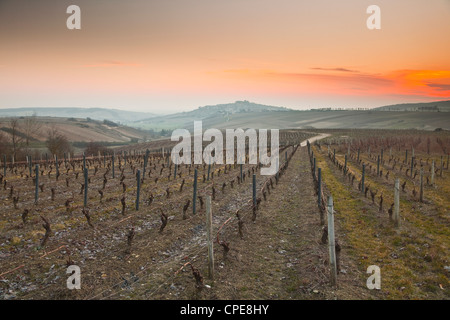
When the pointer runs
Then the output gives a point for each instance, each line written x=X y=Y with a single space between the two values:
x=394 y=251
x=440 y=193
x=408 y=211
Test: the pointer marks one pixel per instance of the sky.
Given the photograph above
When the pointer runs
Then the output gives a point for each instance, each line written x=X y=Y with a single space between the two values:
x=168 y=56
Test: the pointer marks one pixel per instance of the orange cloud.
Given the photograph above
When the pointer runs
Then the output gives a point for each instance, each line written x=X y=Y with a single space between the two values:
x=112 y=64
x=431 y=83
x=335 y=69
x=343 y=81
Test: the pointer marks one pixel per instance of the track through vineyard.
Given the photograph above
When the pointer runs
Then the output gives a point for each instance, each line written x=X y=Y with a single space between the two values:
x=274 y=250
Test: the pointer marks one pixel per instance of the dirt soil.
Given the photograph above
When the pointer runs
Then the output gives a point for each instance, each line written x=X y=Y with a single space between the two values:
x=281 y=255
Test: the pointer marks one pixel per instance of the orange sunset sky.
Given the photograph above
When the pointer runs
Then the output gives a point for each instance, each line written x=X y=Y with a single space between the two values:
x=166 y=56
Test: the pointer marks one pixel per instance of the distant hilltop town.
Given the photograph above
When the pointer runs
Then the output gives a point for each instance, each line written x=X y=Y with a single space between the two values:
x=438 y=106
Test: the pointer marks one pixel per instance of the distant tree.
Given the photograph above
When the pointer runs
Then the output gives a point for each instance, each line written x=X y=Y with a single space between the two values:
x=165 y=132
x=57 y=143
x=16 y=136
x=31 y=126
x=94 y=148
x=110 y=123
x=4 y=147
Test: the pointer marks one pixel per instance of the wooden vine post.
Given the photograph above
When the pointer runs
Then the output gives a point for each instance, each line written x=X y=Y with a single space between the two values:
x=319 y=196
x=112 y=160
x=36 y=191
x=254 y=190
x=86 y=187
x=314 y=168
x=362 y=177
x=331 y=243
x=57 y=167
x=378 y=166
x=421 y=185
x=345 y=165
x=30 y=164
x=145 y=163
x=209 y=238
x=397 y=203
x=319 y=188
x=138 y=192
x=194 y=198
x=432 y=173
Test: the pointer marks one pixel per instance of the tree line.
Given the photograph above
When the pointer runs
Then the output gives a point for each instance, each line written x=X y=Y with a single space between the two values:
x=18 y=140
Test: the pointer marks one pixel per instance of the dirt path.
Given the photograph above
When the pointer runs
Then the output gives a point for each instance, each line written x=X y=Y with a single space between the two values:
x=280 y=255
x=315 y=138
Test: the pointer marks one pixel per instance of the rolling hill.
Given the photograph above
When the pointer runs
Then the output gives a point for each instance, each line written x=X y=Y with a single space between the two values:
x=217 y=116
x=245 y=114
x=115 y=115
x=435 y=106
x=77 y=130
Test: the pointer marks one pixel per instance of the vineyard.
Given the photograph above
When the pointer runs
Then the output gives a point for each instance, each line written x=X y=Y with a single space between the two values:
x=407 y=237
x=136 y=224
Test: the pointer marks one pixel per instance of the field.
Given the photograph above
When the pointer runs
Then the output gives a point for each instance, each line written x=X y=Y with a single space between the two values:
x=414 y=255
x=288 y=119
x=75 y=129
x=272 y=250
